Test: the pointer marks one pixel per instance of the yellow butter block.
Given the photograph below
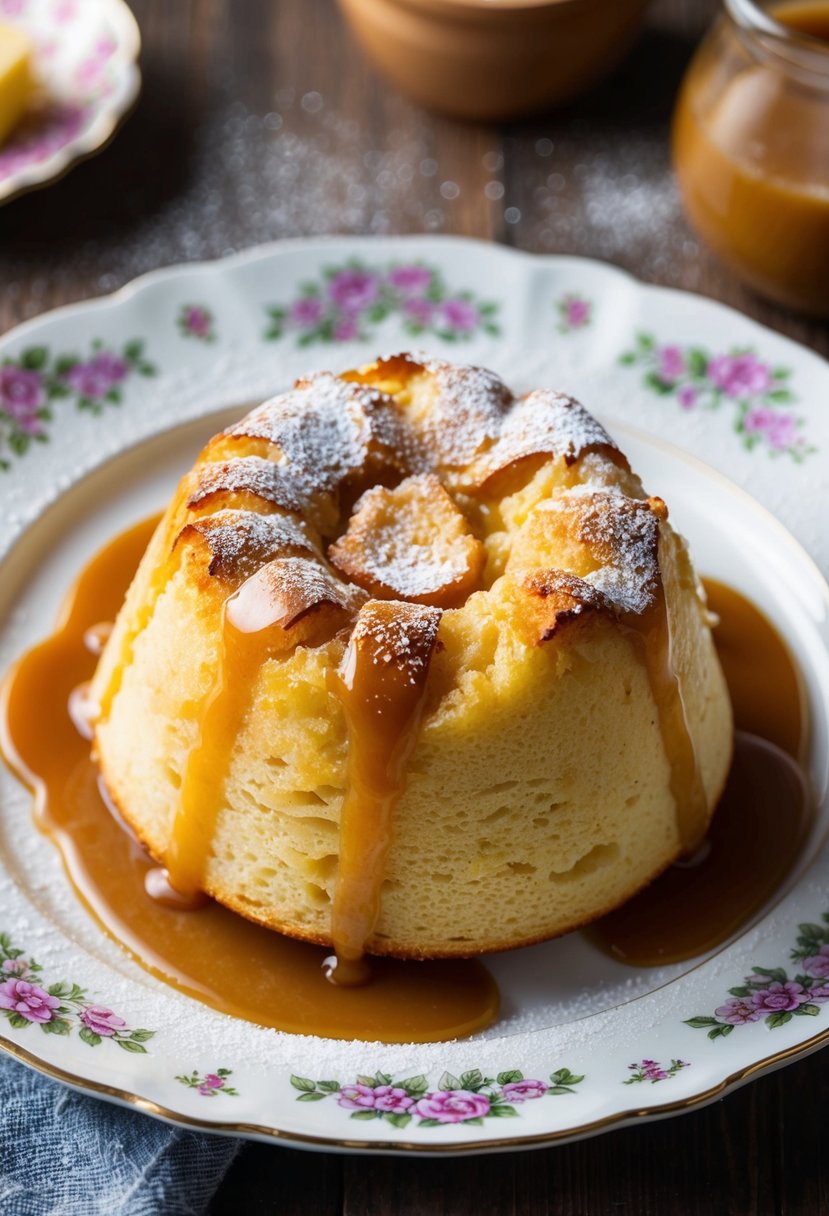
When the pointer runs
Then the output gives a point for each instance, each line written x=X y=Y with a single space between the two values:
x=16 y=82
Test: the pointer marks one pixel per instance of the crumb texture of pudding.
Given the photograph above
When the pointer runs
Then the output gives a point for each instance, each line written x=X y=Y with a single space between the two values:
x=482 y=582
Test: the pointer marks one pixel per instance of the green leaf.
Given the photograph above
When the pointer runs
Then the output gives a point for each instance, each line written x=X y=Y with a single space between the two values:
x=807 y=1010
x=781 y=373
x=60 y=989
x=449 y=1081
x=697 y=363
x=134 y=350
x=398 y=1118
x=645 y=341
x=472 y=1080
x=382 y=1078
x=220 y=1072
x=128 y=1045
x=89 y=1036
x=141 y=1036
x=560 y=1089
x=34 y=358
x=429 y=1123
x=414 y=1085
x=720 y=1030
x=363 y=1116
x=326 y=1087
x=56 y=1026
x=628 y=358
x=699 y=1022
x=778 y=1019
x=654 y=381
x=812 y=932
x=303 y=1083
x=741 y=991
x=494 y=330
x=774 y=973
x=311 y=1098
x=506 y=1078
x=781 y=395
x=362 y=1079
x=503 y=1110
x=19 y=1022
x=565 y=1077
x=472 y=1122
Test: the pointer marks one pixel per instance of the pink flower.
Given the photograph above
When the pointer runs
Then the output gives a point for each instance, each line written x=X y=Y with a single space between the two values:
x=453 y=1106
x=460 y=315
x=353 y=289
x=306 y=311
x=739 y=376
x=738 y=1010
x=346 y=329
x=410 y=280
x=392 y=1098
x=96 y=377
x=30 y=1001
x=576 y=312
x=102 y=1020
x=197 y=321
x=687 y=397
x=780 y=998
x=213 y=1081
x=818 y=993
x=419 y=310
x=357 y=1097
x=21 y=393
x=816 y=964
x=522 y=1091
x=671 y=364
x=16 y=966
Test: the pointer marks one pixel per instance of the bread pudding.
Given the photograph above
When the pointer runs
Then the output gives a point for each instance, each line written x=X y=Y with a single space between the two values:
x=414 y=666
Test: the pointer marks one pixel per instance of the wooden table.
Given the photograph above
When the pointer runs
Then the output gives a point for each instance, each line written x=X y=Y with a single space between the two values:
x=260 y=120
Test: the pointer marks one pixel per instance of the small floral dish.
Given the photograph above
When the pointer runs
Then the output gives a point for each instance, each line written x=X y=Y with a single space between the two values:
x=101 y=408
x=86 y=68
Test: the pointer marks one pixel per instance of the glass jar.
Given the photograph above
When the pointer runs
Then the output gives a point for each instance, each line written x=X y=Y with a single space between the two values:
x=751 y=147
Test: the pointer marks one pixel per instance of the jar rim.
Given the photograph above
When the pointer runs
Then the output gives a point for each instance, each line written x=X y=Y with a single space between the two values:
x=790 y=48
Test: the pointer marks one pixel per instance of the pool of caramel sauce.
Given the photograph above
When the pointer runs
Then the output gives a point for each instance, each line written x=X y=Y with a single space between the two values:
x=253 y=973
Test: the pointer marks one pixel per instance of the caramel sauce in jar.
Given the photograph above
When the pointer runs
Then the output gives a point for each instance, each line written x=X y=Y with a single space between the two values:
x=760 y=824
x=751 y=147
x=200 y=952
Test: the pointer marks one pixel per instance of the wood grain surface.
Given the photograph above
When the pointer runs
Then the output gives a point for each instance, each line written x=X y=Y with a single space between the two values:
x=259 y=120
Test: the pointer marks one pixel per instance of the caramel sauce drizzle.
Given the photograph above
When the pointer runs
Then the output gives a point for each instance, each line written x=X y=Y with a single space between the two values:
x=381 y=686
x=200 y=953
x=651 y=634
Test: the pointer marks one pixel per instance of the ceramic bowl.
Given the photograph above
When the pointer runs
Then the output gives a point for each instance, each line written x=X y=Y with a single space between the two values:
x=493 y=59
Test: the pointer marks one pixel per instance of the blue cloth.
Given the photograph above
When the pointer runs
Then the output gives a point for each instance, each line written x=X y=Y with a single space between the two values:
x=64 y=1154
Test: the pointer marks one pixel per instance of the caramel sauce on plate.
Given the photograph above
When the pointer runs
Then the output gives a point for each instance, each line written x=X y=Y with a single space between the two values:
x=754 y=840
x=760 y=823
x=212 y=954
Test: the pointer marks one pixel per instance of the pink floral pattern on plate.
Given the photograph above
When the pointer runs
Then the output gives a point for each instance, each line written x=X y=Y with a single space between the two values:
x=756 y=392
x=33 y=383
x=60 y=1008
x=350 y=300
x=43 y=133
x=652 y=1070
x=468 y=1099
x=574 y=312
x=196 y=321
x=211 y=1083
x=769 y=995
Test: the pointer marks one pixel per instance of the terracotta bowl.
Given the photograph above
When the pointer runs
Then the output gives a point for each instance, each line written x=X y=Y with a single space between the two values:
x=493 y=58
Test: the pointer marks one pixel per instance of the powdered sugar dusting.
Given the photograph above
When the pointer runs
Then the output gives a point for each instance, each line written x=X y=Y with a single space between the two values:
x=399 y=633
x=241 y=541
x=543 y=423
x=251 y=475
x=467 y=413
x=623 y=535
